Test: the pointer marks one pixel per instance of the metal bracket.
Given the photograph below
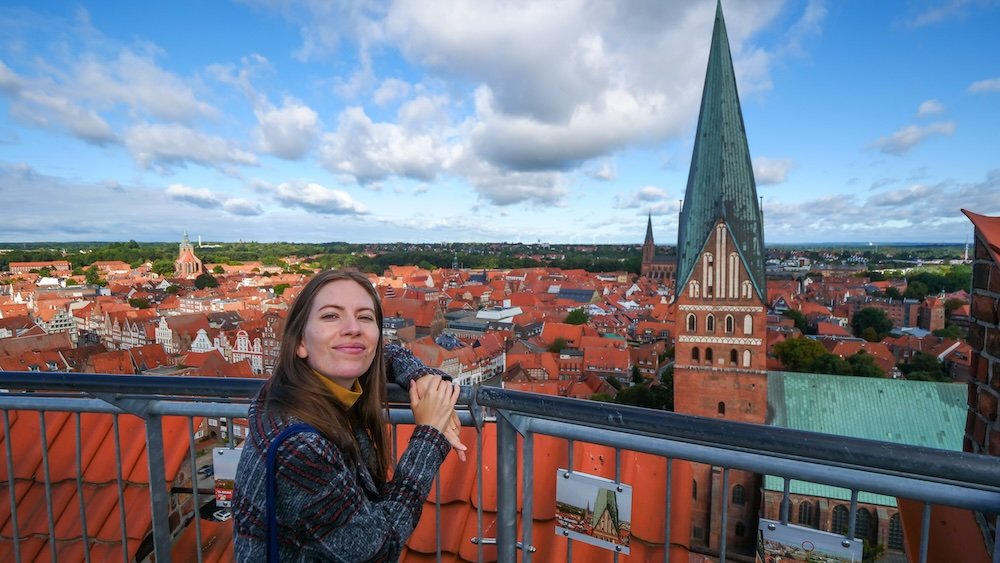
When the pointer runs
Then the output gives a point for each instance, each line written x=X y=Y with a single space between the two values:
x=478 y=413
x=520 y=422
x=137 y=407
x=493 y=541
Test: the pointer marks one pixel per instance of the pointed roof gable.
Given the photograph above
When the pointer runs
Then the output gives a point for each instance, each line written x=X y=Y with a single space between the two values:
x=649 y=231
x=720 y=182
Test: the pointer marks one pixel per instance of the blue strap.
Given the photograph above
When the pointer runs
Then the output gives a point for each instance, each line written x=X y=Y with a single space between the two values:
x=272 y=517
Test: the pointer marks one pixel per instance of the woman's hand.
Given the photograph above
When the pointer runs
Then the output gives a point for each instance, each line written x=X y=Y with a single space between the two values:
x=433 y=403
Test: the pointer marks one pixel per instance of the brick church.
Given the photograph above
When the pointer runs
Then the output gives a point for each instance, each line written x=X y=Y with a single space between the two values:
x=720 y=297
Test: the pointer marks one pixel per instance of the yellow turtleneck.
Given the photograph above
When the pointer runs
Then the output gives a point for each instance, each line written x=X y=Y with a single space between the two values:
x=346 y=397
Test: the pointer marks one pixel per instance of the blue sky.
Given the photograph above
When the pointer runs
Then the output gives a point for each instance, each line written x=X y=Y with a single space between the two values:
x=563 y=121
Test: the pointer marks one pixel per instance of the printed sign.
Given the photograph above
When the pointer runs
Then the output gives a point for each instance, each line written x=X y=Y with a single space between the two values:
x=594 y=510
x=224 y=461
x=786 y=543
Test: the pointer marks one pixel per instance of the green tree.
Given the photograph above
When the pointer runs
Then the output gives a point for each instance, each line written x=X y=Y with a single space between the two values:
x=93 y=277
x=924 y=367
x=602 y=397
x=163 y=267
x=173 y=290
x=45 y=272
x=916 y=290
x=830 y=364
x=218 y=269
x=279 y=289
x=798 y=354
x=893 y=293
x=206 y=280
x=637 y=375
x=71 y=282
x=139 y=302
x=949 y=331
x=863 y=365
x=557 y=345
x=577 y=317
x=950 y=305
x=872 y=318
x=801 y=322
x=613 y=381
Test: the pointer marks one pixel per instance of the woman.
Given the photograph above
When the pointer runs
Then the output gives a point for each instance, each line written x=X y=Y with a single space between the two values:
x=333 y=499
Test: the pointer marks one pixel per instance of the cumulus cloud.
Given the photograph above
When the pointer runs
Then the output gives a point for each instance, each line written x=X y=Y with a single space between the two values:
x=166 y=146
x=947 y=10
x=768 y=171
x=908 y=137
x=988 y=85
x=643 y=198
x=47 y=110
x=241 y=206
x=391 y=90
x=197 y=196
x=605 y=172
x=930 y=107
x=288 y=132
x=10 y=82
x=312 y=197
x=371 y=151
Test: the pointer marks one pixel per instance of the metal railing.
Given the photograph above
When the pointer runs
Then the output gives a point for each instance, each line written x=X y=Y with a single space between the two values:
x=935 y=477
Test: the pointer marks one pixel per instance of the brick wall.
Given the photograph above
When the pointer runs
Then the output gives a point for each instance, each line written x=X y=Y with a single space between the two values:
x=982 y=431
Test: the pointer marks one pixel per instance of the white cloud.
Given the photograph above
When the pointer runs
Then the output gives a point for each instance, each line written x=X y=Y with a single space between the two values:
x=46 y=110
x=643 y=198
x=908 y=137
x=768 y=171
x=9 y=80
x=930 y=107
x=988 y=85
x=391 y=90
x=241 y=206
x=605 y=172
x=371 y=151
x=198 y=196
x=288 y=132
x=166 y=146
x=312 y=197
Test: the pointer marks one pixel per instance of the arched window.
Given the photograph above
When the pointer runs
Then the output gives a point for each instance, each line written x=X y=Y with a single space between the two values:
x=740 y=529
x=806 y=513
x=863 y=525
x=895 y=533
x=747 y=289
x=694 y=489
x=692 y=322
x=734 y=357
x=722 y=408
x=746 y=358
x=695 y=355
x=838 y=524
x=694 y=289
x=748 y=325
x=739 y=495
x=730 y=324
x=710 y=323
x=708 y=355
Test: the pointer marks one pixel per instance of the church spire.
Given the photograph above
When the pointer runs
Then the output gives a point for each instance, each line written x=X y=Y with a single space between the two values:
x=720 y=181
x=649 y=231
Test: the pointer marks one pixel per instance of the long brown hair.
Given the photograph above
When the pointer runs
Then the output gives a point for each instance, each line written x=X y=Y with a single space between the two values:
x=294 y=389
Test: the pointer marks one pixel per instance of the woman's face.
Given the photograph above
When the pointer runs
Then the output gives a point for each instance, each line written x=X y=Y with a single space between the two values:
x=341 y=332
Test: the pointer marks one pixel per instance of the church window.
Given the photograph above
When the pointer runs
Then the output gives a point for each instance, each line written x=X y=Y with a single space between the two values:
x=733 y=357
x=806 y=513
x=694 y=489
x=747 y=289
x=746 y=358
x=838 y=524
x=708 y=355
x=895 y=533
x=863 y=525
x=722 y=408
x=710 y=323
x=739 y=495
x=730 y=324
x=695 y=354
x=692 y=322
x=694 y=289
x=748 y=325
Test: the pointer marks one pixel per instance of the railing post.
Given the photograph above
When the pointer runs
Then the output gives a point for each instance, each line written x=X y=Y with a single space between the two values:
x=506 y=490
x=158 y=487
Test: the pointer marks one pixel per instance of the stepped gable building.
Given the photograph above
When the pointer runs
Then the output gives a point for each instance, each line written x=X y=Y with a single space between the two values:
x=657 y=268
x=720 y=297
x=187 y=264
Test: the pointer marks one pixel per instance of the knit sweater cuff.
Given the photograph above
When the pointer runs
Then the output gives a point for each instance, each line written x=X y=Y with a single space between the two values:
x=434 y=437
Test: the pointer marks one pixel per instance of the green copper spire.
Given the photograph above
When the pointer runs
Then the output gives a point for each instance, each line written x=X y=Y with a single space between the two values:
x=720 y=182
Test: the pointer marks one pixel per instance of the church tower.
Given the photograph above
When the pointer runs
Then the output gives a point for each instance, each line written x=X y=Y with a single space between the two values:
x=720 y=349
x=187 y=264
x=648 y=249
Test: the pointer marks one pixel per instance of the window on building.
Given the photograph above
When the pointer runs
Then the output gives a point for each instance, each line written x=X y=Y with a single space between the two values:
x=694 y=289
x=741 y=529
x=695 y=355
x=697 y=532
x=806 y=513
x=734 y=357
x=748 y=325
x=692 y=322
x=694 y=489
x=739 y=495
x=838 y=523
x=708 y=355
x=730 y=324
x=895 y=533
x=746 y=358
x=722 y=408
x=710 y=323
x=863 y=527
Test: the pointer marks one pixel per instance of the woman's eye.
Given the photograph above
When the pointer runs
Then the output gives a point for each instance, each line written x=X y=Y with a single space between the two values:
x=367 y=318
x=329 y=316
